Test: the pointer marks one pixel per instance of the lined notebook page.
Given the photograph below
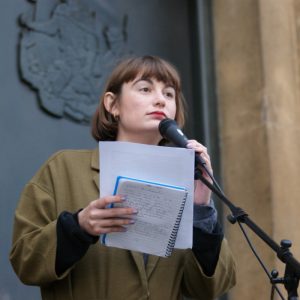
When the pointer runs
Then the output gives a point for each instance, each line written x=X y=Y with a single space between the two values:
x=159 y=211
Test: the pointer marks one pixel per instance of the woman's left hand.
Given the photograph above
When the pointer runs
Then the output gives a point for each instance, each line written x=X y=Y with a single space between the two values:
x=202 y=192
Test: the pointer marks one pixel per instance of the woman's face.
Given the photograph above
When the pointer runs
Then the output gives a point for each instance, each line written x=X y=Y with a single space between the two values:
x=142 y=105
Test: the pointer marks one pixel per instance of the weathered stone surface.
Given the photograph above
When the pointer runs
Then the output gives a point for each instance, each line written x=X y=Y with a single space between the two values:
x=257 y=58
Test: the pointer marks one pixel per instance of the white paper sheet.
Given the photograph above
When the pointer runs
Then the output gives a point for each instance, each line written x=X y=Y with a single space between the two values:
x=168 y=165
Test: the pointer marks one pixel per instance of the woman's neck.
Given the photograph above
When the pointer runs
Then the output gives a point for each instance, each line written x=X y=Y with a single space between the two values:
x=148 y=139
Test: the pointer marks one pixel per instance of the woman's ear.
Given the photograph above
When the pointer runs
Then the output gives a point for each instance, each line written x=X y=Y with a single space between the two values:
x=110 y=103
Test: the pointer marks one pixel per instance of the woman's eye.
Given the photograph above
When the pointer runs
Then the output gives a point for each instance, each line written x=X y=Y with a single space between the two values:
x=170 y=95
x=145 y=89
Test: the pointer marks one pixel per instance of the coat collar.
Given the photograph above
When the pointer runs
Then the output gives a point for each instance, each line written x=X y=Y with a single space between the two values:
x=95 y=166
x=95 y=159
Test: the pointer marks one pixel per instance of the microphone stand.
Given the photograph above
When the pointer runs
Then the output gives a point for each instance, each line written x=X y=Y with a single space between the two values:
x=292 y=266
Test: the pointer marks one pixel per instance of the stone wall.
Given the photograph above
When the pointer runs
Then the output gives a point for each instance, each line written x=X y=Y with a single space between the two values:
x=257 y=52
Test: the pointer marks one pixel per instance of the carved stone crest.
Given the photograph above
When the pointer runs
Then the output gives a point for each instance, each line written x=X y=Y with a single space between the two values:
x=66 y=50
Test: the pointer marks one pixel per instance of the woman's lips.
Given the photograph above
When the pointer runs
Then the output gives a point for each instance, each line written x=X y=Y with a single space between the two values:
x=159 y=114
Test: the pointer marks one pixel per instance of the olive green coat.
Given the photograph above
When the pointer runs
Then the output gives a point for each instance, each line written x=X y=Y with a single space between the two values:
x=69 y=181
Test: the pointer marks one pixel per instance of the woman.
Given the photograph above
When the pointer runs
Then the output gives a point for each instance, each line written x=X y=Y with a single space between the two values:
x=58 y=222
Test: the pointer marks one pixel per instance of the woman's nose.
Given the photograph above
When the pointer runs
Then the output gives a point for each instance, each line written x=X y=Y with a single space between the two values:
x=159 y=98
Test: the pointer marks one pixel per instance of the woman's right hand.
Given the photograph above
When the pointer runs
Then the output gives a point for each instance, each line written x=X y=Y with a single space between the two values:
x=97 y=218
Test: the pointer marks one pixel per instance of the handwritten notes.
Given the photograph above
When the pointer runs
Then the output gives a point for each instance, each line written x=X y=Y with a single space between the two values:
x=160 y=208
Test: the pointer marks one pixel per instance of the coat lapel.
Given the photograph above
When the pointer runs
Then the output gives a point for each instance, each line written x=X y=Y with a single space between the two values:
x=145 y=272
x=95 y=166
x=96 y=180
x=152 y=263
x=139 y=261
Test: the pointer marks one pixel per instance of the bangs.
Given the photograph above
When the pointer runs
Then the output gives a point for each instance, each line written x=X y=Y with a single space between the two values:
x=146 y=67
x=160 y=72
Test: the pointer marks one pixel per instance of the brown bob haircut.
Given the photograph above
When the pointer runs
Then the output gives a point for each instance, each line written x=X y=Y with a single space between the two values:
x=104 y=124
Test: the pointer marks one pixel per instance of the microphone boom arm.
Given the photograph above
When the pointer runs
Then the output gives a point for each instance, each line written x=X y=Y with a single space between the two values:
x=292 y=270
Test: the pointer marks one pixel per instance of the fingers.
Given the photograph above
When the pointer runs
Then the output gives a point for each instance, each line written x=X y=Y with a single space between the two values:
x=108 y=216
x=200 y=150
x=202 y=193
x=101 y=208
x=107 y=200
x=102 y=226
x=98 y=218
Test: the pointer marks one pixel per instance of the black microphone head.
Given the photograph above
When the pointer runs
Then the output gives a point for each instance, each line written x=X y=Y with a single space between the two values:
x=165 y=124
x=170 y=131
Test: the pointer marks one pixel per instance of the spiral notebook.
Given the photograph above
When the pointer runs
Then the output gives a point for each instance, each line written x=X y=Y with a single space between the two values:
x=160 y=207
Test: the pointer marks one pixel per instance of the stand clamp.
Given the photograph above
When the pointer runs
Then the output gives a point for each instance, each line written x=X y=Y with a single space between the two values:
x=237 y=215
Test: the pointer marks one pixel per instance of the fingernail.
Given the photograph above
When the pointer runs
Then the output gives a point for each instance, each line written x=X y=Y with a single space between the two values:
x=131 y=221
x=134 y=211
x=123 y=197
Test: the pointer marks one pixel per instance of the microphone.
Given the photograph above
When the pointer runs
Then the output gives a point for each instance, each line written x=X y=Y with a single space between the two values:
x=170 y=131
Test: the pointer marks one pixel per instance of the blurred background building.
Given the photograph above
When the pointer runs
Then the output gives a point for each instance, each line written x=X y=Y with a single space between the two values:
x=239 y=61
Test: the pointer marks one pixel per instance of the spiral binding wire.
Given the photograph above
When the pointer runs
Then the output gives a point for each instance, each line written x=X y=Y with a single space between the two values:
x=172 y=240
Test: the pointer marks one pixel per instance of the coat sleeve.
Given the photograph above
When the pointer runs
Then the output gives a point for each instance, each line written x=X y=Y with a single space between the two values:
x=34 y=236
x=206 y=248
x=72 y=241
x=198 y=285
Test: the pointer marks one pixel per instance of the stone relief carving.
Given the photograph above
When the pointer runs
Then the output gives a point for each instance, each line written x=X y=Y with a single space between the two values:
x=66 y=49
